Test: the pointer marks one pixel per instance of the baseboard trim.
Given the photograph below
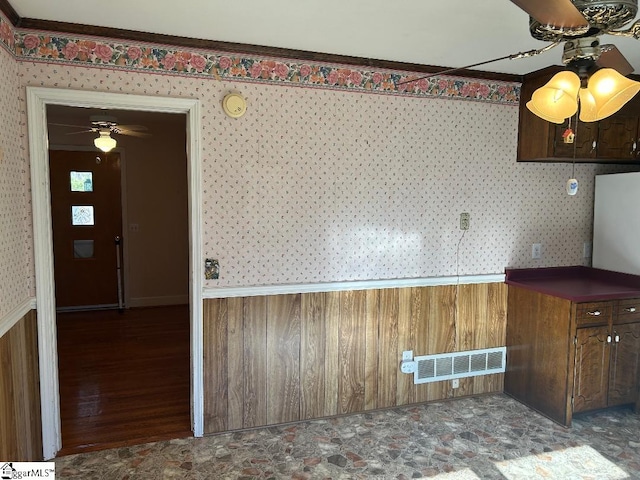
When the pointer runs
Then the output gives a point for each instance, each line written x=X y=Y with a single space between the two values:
x=227 y=292
x=136 y=302
x=14 y=316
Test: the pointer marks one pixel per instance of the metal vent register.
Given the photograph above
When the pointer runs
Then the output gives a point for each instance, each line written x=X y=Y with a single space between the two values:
x=472 y=363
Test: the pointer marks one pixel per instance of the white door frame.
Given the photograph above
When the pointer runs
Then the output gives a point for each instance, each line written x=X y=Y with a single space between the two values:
x=37 y=100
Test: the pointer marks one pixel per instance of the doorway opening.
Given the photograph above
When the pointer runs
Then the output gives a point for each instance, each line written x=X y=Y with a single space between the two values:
x=120 y=241
x=38 y=99
x=124 y=377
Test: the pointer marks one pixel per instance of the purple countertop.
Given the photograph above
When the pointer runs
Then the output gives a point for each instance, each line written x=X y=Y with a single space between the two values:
x=578 y=284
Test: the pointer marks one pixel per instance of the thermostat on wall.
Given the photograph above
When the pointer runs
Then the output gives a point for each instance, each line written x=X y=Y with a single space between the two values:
x=234 y=105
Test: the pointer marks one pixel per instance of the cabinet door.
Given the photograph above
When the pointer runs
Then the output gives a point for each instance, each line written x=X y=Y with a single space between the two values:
x=585 y=141
x=617 y=137
x=591 y=368
x=625 y=364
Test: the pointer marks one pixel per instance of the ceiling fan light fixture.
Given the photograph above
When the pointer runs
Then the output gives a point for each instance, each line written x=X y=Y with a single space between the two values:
x=610 y=91
x=588 y=107
x=557 y=99
x=532 y=108
x=104 y=142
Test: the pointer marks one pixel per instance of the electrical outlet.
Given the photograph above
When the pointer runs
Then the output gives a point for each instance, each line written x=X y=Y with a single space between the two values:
x=536 y=251
x=408 y=366
x=407 y=355
x=455 y=383
x=464 y=221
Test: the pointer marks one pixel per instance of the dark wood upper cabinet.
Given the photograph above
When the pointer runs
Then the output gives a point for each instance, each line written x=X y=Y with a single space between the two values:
x=615 y=139
x=585 y=141
x=618 y=137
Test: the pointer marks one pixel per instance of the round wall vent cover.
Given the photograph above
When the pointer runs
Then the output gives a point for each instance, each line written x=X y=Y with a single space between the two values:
x=234 y=105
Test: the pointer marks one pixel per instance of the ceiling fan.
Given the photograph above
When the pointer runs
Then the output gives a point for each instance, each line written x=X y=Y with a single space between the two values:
x=578 y=23
x=590 y=65
x=104 y=126
x=595 y=78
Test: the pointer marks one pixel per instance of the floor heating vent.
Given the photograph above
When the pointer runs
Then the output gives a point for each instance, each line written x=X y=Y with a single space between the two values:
x=472 y=363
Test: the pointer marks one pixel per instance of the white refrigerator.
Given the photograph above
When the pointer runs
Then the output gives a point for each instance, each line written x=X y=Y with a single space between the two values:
x=616 y=223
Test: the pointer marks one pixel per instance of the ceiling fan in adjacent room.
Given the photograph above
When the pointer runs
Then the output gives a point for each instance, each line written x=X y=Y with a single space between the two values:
x=104 y=126
x=595 y=77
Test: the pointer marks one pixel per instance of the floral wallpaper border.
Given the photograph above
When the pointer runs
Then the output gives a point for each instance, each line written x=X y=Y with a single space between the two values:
x=100 y=52
x=7 y=35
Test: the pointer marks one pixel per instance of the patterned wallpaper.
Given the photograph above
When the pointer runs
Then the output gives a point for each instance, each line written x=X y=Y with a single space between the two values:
x=16 y=276
x=326 y=184
x=318 y=185
x=130 y=56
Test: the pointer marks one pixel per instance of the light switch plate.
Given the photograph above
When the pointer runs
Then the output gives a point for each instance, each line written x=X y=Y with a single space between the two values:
x=536 y=251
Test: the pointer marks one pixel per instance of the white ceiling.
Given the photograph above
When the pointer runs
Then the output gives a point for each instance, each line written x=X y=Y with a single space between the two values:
x=446 y=33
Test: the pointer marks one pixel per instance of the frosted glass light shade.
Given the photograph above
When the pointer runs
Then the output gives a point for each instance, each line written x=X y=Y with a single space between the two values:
x=610 y=92
x=588 y=107
x=557 y=99
x=532 y=109
x=104 y=142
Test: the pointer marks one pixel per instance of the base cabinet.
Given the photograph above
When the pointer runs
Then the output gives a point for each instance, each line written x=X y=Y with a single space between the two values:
x=591 y=369
x=594 y=350
x=624 y=365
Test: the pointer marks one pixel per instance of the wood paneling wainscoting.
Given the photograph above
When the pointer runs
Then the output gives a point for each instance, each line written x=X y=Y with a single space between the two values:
x=20 y=423
x=283 y=358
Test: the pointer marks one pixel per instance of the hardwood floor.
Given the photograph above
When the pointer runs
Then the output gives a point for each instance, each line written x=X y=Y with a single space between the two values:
x=124 y=378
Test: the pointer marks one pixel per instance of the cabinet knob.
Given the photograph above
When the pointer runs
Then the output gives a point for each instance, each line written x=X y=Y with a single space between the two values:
x=608 y=338
x=630 y=309
x=595 y=313
x=593 y=146
x=617 y=338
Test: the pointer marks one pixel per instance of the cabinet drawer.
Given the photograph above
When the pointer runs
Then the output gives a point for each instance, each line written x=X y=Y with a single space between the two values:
x=627 y=311
x=595 y=313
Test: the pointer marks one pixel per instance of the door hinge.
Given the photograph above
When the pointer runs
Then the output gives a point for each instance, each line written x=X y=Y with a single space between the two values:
x=575 y=340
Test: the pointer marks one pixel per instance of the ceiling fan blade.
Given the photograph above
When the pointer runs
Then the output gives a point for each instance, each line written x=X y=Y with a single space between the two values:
x=66 y=125
x=559 y=13
x=82 y=131
x=132 y=133
x=611 y=57
x=131 y=127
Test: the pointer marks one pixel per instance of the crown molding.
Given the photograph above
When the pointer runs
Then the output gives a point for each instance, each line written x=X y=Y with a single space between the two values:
x=9 y=12
x=238 y=48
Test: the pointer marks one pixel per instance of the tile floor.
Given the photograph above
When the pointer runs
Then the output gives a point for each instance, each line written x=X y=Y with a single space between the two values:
x=485 y=437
